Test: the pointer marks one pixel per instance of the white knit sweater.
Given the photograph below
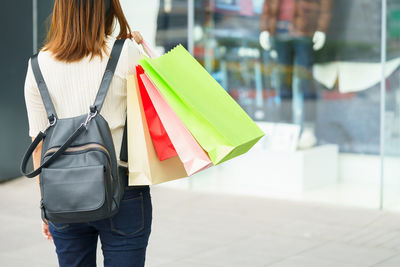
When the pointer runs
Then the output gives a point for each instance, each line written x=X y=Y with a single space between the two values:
x=73 y=88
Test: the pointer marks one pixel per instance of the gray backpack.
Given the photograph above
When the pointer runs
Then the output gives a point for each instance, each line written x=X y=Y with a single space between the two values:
x=79 y=177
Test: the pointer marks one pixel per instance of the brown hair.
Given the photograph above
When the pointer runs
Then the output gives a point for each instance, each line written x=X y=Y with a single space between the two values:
x=79 y=28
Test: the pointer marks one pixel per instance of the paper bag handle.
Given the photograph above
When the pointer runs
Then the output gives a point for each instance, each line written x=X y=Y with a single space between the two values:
x=148 y=50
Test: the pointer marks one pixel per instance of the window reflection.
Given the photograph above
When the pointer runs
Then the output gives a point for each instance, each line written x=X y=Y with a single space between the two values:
x=311 y=64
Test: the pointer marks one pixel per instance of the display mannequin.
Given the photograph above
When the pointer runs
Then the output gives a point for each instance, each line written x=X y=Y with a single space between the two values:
x=318 y=39
x=295 y=29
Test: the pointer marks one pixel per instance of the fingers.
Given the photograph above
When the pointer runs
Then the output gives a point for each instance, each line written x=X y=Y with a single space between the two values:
x=265 y=40
x=46 y=232
x=137 y=36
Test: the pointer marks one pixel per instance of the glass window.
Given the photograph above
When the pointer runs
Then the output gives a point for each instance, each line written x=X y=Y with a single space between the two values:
x=391 y=116
x=309 y=72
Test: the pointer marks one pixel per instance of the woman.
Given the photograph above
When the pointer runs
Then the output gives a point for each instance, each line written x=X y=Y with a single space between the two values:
x=73 y=61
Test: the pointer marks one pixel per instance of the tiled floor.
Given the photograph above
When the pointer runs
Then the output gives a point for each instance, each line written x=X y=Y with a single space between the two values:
x=193 y=229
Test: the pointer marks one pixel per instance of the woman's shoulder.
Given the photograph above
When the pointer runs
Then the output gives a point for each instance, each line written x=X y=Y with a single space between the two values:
x=130 y=55
x=44 y=55
x=129 y=45
x=48 y=60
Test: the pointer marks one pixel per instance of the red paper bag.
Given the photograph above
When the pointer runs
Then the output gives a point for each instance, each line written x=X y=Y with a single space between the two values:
x=193 y=157
x=162 y=143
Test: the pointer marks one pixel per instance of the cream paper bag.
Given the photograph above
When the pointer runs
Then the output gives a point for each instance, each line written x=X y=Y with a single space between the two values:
x=144 y=166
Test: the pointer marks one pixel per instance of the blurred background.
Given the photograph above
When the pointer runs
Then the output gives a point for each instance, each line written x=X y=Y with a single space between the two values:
x=320 y=77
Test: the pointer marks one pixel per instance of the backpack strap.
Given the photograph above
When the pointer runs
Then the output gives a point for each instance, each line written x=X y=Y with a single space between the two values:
x=108 y=76
x=44 y=92
x=123 y=155
x=56 y=154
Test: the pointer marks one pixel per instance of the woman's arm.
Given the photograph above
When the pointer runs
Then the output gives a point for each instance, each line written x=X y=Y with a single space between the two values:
x=36 y=159
x=37 y=118
x=36 y=163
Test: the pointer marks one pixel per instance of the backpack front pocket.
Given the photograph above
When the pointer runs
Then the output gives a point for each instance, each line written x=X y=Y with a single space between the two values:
x=67 y=190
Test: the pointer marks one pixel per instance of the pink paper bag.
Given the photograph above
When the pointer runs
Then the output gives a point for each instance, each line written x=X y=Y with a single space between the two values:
x=161 y=141
x=193 y=157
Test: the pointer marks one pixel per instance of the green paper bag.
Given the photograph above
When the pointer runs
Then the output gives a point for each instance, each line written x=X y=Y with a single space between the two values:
x=216 y=121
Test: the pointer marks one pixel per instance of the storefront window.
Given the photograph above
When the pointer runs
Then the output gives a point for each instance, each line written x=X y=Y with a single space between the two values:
x=391 y=126
x=309 y=72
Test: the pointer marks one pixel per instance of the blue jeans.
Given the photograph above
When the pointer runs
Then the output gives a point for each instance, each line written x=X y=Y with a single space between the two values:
x=123 y=237
x=294 y=73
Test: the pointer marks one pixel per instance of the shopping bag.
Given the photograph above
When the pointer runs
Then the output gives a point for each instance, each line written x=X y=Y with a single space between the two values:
x=214 y=118
x=159 y=136
x=194 y=158
x=144 y=166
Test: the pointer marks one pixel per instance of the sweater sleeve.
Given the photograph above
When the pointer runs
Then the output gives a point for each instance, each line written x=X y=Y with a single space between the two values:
x=37 y=116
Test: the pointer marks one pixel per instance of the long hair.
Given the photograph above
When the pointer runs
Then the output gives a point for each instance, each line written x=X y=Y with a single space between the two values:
x=79 y=28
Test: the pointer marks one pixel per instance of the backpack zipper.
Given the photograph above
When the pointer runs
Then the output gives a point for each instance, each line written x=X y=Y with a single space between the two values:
x=78 y=149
